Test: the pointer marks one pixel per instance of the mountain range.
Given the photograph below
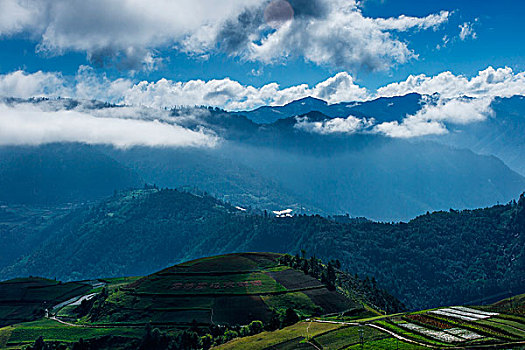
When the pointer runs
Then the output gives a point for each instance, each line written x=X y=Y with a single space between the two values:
x=278 y=165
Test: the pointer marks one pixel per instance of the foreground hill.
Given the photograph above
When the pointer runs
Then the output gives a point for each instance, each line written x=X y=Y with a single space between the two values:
x=211 y=295
x=455 y=327
x=25 y=299
x=229 y=289
x=256 y=301
x=435 y=259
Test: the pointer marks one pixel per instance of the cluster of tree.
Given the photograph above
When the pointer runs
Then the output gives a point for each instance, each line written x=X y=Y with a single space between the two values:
x=368 y=290
x=204 y=338
x=365 y=290
x=441 y=258
x=194 y=338
x=313 y=267
x=40 y=344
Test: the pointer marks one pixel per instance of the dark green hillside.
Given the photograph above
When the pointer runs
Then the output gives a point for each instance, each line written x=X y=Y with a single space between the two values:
x=229 y=289
x=452 y=257
x=26 y=299
x=60 y=173
x=23 y=228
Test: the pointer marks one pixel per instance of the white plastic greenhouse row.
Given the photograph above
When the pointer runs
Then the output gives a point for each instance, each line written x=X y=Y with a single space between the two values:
x=450 y=314
x=439 y=335
x=474 y=311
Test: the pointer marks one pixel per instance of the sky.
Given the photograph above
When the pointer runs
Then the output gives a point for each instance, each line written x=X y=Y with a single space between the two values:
x=242 y=54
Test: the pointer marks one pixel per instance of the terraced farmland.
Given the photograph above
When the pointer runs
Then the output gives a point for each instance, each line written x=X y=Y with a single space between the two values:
x=230 y=289
x=458 y=326
x=419 y=330
x=236 y=289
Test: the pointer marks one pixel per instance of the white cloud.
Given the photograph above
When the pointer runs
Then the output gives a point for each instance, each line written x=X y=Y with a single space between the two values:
x=433 y=117
x=344 y=38
x=349 y=125
x=467 y=31
x=128 y=32
x=232 y=95
x=457 y=110
x=451 y=107
x=24 y=85
x=404 y=23
x=340 y=88
x=16 y=16
x=224 y=93
x=444 y=42
x=28 y=124
x=411 y=127
x=502 y=82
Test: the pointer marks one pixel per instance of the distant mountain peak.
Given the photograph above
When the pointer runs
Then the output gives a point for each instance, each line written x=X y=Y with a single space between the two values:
x=309 y=100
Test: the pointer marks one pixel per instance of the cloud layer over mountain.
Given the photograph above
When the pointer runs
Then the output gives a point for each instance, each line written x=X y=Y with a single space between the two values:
x=29 y=124
x=461 y=100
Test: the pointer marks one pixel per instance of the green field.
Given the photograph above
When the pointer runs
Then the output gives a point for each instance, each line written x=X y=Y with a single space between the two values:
x=25 y=333
x=25 y=299
x=433 y=329
x=386 y=344
x=347 y=336
x=268 y=339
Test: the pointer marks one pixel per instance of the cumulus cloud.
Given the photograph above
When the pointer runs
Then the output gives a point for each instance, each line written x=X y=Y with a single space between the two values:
x=411 y=126
x=349 y=125
x=16 y=16
x=467 y=31
x=24 y=85
x=130 y=32
x=404 y=23
x=343 y=38
x=433 y=117
x=457 y=110
x=502 y=82
x=29 y=124
x=164 y=93
x=232 y=95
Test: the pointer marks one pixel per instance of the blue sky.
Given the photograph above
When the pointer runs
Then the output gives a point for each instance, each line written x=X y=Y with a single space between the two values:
x=498 y=27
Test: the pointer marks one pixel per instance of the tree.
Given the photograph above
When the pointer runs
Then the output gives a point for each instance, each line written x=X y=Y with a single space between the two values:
x=206 y=341
x=255 y=327
x=40 y=344
x=275 y=321
x=290 y=317
x=229 y=335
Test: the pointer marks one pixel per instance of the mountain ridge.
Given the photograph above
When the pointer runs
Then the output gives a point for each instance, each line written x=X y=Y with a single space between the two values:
x=162 y=227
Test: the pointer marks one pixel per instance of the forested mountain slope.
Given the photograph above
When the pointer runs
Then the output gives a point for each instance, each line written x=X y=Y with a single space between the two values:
x=435 y=259
x=60 y=173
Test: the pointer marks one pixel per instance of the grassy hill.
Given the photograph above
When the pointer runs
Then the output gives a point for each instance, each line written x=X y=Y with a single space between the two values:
x=220 y=301
x=229 y=289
